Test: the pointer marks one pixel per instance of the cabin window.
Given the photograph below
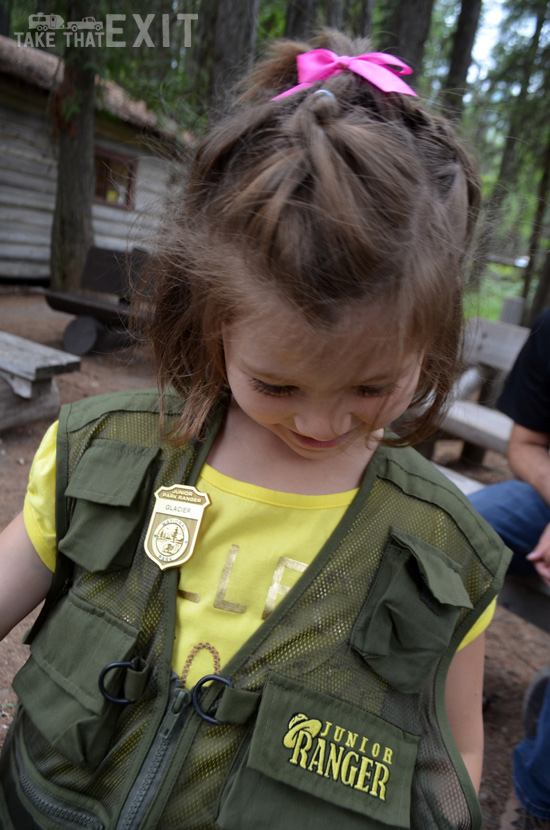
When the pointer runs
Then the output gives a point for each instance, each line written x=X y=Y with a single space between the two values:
x=114 y=179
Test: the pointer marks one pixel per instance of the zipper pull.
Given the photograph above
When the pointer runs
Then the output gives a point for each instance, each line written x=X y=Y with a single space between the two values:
x=182 y=698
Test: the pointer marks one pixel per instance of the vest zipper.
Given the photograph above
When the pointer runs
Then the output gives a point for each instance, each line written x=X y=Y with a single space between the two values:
x=158 y=758
x=50 y=806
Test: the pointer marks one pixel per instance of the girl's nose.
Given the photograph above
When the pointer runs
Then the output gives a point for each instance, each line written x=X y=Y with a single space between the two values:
x=322 y=422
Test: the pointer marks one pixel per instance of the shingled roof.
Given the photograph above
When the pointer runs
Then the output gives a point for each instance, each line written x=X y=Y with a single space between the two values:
x=41 y=69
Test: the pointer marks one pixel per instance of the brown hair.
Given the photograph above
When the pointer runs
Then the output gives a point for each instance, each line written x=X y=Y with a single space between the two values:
x=326 y=201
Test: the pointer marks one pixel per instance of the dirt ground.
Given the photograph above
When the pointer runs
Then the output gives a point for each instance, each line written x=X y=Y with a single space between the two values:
x=516 y=650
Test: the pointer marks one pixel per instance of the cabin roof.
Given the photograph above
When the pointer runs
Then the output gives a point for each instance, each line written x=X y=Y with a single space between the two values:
x=41 y=70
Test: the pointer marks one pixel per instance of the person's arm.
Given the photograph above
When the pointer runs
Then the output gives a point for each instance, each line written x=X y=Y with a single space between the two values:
x=464 y=700
x=25 y=579
x=530 y=461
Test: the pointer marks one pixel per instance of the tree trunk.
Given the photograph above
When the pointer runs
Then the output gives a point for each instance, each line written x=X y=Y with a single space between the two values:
x=542 y=294
x=234 y=41
x=199 y=66
x=508 y=162
x=73 y=113
x=543 y=189
x=364 y=28
x=5 y=17
x=225 y=46
x=461 y=57
x=300 y=18
x=335 y=13
x=408 y=27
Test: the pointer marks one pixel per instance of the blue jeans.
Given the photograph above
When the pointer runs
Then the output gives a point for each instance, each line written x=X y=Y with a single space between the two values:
x=519 y=515
x=531 y=766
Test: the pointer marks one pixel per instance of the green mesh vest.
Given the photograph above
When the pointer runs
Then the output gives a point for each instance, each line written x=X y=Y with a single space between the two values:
x=332 y=714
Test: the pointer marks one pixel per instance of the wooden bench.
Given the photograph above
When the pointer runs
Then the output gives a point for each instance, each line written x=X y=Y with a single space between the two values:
x=464 y=483
x=475 y=424
x=490 y=351
x=102 y=306
x=27 y=387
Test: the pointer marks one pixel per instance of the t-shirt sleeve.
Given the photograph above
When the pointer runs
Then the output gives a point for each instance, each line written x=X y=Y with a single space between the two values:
x=480 y=625
x=526 y=395
x=39 y=506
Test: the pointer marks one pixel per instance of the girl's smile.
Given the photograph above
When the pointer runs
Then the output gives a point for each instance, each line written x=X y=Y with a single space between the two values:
x=313 y=443
x=321 y=394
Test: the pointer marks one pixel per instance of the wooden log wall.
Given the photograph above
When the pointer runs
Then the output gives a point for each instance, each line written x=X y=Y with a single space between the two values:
x=28 y=174
x=27 y=187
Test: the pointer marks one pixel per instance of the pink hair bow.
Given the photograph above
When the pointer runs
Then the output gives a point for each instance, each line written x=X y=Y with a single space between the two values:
x=380 y=69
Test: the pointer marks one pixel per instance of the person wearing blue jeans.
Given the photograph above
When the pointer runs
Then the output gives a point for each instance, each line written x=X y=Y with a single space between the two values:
x=531 y=760
x=520 y=515
x=519 y=510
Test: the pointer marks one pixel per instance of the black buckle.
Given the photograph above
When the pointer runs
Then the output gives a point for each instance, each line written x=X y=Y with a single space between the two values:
x=195 y=695
x=103 y=674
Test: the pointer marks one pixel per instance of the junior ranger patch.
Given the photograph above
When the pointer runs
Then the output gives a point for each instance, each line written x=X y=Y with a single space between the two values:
x=174 y=525
x=335 y=751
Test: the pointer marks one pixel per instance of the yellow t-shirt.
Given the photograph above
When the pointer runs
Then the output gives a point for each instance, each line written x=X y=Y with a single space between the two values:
x=243 y=561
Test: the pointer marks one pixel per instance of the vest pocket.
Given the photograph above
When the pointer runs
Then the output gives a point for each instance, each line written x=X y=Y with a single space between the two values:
x=58 y=686
x=111 y=487
x=315 y=761
x=410 y=614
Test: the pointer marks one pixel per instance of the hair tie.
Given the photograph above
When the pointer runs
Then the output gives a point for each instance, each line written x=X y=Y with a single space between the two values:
x=325 y=92
x=382 y=70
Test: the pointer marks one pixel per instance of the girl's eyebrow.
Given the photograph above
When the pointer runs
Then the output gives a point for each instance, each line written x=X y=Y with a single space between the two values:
x=271 y=376
x=391 y=375
x=378 y=380
x=276 y=380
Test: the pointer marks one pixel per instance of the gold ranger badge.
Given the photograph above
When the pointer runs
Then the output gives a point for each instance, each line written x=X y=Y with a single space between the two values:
x=174 y=525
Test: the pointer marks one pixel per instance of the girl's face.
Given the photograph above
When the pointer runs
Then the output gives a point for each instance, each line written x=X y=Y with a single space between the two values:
x=321 y=394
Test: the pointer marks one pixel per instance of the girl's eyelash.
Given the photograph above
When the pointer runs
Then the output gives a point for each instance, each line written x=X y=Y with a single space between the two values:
x=269 y=389
x=377 y=391
x=281 y=391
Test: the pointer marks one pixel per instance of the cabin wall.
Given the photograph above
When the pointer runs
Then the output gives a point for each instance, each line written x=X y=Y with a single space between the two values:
x=28 y=177
x=28 y=171
x=116 y=227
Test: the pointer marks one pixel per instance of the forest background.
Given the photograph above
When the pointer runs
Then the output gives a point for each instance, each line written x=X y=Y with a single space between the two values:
x=493 y=81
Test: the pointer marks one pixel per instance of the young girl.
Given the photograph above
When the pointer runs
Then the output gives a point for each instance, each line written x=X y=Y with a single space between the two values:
x=267 y=611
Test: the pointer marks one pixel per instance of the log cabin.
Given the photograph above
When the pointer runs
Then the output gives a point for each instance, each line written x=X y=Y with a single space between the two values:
x=134 y=164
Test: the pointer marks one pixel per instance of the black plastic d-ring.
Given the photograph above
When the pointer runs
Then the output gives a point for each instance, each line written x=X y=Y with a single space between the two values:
x=195 y=695
x=101 y=681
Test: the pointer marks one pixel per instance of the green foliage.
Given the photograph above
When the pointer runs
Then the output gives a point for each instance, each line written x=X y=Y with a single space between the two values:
x=20 y=12
x=508 y=119
x=159 y=74
x=498 y=283
x=271 y=22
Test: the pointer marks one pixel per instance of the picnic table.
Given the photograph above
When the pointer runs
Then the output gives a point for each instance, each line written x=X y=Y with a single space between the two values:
x=27 y=379
x=102 y=303
x=490 y=352
x=491 y=348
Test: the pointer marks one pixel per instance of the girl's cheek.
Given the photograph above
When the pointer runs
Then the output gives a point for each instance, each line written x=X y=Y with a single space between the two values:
x=395 y=408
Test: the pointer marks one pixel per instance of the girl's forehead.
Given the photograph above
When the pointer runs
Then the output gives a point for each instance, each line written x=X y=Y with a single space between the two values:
x=281 y=337
x=275 y=313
